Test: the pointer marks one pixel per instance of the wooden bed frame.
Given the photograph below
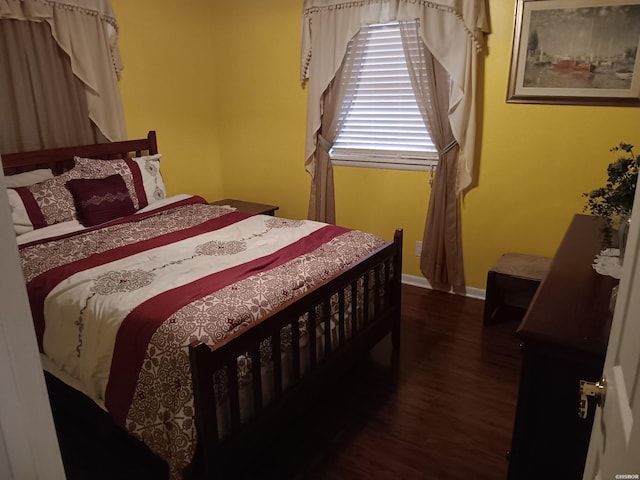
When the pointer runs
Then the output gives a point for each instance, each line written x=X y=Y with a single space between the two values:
x=379 y=272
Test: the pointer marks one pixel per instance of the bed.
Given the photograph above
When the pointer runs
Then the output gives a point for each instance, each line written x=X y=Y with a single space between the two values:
x=198 y=328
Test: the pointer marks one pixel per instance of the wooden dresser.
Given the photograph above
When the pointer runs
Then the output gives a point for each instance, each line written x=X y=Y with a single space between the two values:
x=564 y=334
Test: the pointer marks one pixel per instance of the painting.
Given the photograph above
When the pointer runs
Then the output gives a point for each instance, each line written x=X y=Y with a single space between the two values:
x=576 y=52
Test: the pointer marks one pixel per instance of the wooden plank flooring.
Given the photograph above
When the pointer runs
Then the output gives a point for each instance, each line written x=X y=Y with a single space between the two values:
x=443 y=411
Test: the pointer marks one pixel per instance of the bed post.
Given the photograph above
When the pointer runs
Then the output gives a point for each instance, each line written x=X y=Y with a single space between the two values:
x=397 y=290
x=153 y=142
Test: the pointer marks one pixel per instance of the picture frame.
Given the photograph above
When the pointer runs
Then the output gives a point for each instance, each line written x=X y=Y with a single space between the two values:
x=576 y=52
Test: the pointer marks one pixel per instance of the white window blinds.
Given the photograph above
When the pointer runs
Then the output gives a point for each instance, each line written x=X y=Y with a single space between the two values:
x=383 y=126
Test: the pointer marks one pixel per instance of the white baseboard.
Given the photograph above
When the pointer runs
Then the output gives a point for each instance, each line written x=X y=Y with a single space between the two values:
x=424 y=283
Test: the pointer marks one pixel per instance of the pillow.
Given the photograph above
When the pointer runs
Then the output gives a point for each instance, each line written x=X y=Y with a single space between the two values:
x=151 y=177
x=42 y=204
x=141 y=174
x=26 y=179
x=99 y=200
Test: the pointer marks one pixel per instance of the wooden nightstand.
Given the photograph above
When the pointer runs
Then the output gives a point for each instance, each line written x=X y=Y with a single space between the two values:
x=248 y=207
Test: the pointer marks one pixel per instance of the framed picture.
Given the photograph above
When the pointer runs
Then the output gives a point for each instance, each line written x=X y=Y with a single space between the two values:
x=576 y=52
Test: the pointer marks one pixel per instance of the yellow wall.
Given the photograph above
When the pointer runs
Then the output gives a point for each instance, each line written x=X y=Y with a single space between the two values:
x=168 y=85
x=220 y=83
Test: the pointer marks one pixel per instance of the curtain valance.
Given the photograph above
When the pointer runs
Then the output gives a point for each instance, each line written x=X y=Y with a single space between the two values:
x=451 y=29
x=87 y=31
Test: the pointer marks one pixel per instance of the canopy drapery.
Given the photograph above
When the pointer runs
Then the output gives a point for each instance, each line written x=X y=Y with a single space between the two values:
x=87 y=31
x=451 y=29
x=42 y=103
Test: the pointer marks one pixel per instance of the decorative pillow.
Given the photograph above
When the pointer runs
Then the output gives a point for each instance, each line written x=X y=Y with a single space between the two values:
x=96 y=168
x=141 y=174
x=27 y=179
x=42 y=204
x=151 y=177
x=99 y=200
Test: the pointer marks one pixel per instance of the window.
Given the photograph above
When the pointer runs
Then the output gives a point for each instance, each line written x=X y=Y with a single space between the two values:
x=383 y=126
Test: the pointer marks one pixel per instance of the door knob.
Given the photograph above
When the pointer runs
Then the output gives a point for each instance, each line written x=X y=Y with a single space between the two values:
x=597 y=390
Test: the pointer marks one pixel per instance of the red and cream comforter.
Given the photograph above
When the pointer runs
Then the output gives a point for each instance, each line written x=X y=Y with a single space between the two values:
x=116 y=307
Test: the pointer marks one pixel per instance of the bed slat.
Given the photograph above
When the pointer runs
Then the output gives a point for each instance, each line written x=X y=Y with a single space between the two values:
x=326 y=320
x=354 y=308
x=234 y=397
x=313 y=344
x=341 y=318
x=256 y=375
x=276 y=358
x=295 y=349
x=365 y=300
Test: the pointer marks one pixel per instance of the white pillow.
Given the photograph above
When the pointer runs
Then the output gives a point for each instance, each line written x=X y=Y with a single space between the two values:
x=21 y=221
x=26 y=179
x=151 y=177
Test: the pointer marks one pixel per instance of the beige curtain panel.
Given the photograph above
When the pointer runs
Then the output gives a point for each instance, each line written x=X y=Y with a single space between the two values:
x=441 y=256
x=339 y=92
x=86 y=30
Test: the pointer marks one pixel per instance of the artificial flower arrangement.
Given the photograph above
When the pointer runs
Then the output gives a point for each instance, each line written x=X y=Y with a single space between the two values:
x=614 y=201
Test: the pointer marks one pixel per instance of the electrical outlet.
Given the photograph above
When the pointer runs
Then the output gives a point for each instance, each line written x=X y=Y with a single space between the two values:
x=418 y=249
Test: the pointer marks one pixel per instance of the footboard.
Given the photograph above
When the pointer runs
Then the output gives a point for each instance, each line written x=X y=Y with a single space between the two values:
x=247 y=382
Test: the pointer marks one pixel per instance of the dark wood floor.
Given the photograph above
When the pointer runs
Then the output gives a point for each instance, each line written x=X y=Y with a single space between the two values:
x=443 y=412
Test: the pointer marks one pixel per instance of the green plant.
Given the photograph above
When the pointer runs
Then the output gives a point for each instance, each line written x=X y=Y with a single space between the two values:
x=614 y=201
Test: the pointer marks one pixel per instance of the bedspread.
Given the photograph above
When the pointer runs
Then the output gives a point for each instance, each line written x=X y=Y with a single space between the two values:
x=117 y=306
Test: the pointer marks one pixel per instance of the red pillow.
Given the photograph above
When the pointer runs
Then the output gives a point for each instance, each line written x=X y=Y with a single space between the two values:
x=99 y=200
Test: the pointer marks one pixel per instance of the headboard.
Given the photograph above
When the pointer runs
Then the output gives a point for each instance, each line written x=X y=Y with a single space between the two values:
x=61 y=159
